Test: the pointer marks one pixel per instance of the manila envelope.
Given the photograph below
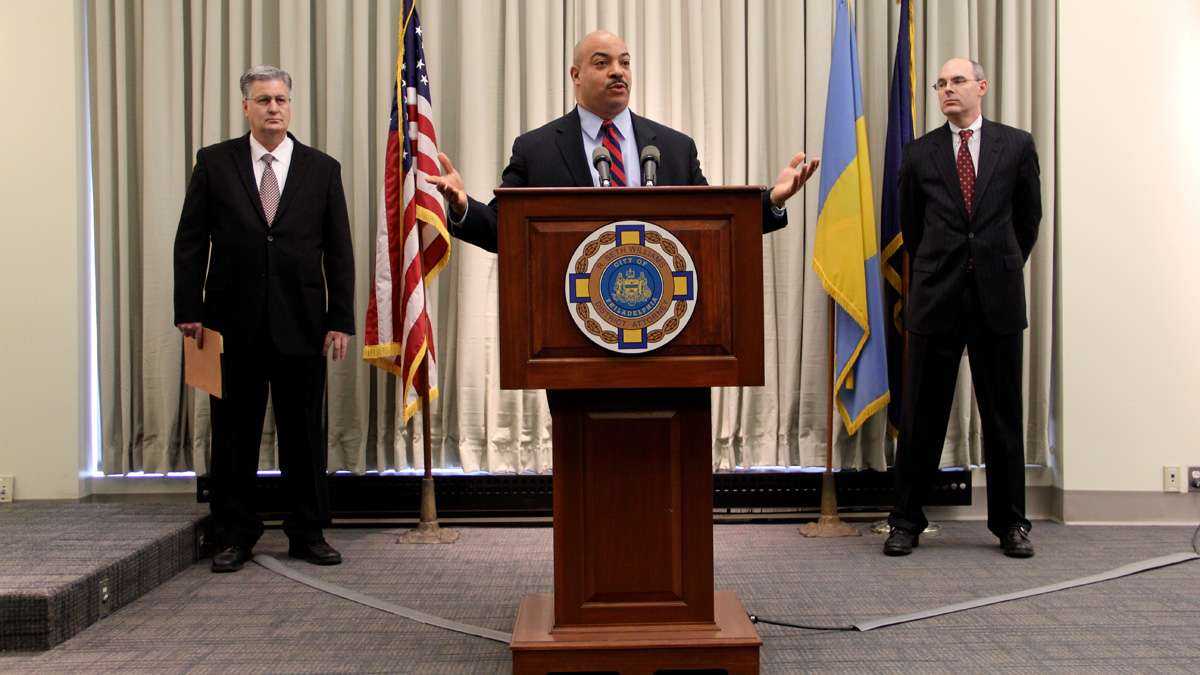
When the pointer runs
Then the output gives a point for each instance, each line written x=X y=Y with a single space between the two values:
x=202 y=367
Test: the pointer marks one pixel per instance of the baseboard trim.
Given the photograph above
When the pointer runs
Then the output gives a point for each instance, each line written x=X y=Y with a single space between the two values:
x=1108 y=507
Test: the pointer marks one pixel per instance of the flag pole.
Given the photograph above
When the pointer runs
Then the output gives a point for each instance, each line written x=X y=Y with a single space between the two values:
x=427 y=531
x=829 y=524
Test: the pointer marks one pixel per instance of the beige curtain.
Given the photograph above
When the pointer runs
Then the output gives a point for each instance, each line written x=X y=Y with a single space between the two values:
x=745 y=78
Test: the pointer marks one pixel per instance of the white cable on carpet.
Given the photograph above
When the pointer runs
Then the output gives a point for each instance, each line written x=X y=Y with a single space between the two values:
x=1124 y=571
x=278 y=567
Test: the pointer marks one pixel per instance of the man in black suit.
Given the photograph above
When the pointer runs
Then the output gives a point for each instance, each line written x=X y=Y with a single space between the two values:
x=559 y=154
x=279 y=286
x=970 y=205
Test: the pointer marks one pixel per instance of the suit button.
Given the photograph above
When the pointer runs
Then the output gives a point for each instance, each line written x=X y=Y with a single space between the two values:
x=970 y=235
x=970 y=264
x=270 y=237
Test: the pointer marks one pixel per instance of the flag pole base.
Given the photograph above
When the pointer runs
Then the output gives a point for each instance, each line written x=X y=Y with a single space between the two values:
x=428 y=533
x=427 y=530
x=829 y=526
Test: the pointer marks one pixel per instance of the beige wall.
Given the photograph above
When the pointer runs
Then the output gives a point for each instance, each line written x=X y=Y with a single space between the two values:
x=1129 y=180
x=41 y=190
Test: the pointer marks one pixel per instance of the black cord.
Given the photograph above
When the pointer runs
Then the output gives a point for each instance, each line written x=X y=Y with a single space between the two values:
x=756 y=619
x=1196 y=540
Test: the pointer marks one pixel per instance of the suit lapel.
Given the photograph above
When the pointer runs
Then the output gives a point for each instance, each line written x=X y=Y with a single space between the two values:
x=943 y=151
x=991 y=146
x=241 y=159
x=295 y=176
x=643 y=135
x=570 y=145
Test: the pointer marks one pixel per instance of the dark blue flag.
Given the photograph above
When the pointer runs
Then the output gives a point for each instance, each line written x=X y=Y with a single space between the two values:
x=901 y=120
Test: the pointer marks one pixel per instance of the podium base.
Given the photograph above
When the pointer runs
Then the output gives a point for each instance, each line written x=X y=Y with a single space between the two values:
x=729 y=643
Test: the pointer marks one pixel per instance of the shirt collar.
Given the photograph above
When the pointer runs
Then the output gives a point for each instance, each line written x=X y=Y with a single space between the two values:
x=281 y=153
x=591 y=122
x=974 y=126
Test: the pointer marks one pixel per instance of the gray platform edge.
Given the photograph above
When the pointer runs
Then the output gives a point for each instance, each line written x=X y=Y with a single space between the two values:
x=39 y=621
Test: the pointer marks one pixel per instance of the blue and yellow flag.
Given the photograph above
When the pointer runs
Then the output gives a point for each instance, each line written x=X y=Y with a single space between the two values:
x=900 y=131
x=846 y=252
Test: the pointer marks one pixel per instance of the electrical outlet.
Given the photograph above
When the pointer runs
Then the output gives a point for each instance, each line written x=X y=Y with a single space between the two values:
x=6 y=489
x=1172 y=479
x=1193 y=479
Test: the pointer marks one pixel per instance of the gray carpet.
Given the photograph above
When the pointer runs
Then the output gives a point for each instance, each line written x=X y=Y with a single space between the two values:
x=257 y=621
x=54 y=556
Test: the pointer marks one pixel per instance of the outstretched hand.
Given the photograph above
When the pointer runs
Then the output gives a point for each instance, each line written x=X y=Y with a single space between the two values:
x=450 y=184
x=792 y=178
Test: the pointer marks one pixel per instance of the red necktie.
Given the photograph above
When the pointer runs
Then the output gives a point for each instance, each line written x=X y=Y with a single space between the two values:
x=611 y=138
x=966 y=169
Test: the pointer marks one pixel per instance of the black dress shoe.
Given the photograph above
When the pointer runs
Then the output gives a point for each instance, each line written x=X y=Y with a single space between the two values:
x=1016 y=543
x=230 y=559
x=315 y=552
x=900 y=542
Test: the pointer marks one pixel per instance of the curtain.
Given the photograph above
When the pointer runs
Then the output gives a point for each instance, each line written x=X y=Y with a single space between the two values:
x=745 y=78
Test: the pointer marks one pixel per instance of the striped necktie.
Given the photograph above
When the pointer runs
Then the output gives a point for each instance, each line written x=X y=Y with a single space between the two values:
x=611 y=138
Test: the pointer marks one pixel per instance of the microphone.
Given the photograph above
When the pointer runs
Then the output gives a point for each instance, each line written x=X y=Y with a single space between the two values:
x=602 y=160
x=650 y=159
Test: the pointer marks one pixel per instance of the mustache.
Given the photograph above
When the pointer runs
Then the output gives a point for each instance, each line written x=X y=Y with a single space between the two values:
x=617 y=81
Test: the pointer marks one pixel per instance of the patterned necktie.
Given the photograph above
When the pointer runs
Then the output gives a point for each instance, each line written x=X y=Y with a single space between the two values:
x=611 y=138
x=268 y=190
x=966 y=169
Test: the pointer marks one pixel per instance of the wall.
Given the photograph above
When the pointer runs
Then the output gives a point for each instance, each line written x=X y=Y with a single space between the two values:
x=1130 y=238
x=42 y=191
x=1129 y=175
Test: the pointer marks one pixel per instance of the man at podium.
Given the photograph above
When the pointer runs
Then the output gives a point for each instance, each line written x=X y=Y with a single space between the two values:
x=600 y=142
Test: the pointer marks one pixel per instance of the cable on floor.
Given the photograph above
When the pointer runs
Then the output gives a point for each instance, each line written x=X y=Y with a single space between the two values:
x=1123 y=571
x=279 y=567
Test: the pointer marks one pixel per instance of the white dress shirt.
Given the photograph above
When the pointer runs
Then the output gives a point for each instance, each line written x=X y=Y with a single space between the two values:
x=591 y=122
x=283 y=160
x=973 y=144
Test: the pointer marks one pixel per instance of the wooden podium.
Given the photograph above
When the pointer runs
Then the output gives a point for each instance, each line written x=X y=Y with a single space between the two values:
x=633 y=553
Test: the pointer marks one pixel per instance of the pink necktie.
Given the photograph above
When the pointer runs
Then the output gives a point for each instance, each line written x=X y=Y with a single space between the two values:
x=268 y=190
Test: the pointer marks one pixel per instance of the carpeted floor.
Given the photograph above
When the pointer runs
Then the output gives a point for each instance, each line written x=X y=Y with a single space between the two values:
x=257 y=621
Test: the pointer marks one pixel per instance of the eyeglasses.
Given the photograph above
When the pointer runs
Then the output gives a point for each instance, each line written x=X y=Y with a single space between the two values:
x=265 y=101
x=956 y=81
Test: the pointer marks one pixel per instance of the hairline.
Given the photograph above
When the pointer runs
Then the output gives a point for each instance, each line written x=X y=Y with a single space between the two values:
x=263 y=73
x=976 y=67
x=577 y=55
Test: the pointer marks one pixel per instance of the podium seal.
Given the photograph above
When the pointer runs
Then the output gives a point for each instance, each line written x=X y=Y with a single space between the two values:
x=631 y=287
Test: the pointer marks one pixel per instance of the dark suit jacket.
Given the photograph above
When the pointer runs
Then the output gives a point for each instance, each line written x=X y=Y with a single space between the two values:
x=552 y=156
x=258 y=274
x=995 y=241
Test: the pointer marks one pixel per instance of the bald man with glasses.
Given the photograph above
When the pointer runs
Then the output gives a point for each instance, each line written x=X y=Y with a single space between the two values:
x=970 y=206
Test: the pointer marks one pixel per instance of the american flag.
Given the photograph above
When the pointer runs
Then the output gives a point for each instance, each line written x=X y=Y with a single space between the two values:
x=412 y=244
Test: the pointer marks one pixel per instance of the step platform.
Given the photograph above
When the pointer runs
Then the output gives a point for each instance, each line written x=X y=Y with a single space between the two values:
x=65 y=565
